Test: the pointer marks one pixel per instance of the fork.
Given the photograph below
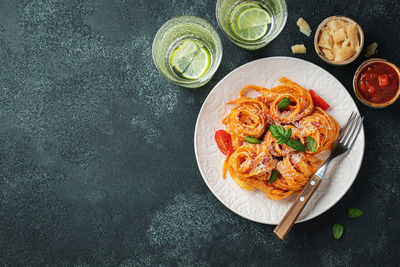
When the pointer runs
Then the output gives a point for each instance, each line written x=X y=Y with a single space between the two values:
x=342 y=146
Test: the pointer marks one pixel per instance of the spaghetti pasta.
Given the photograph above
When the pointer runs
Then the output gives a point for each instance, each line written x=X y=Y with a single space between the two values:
x=301 y=103
x=251 y=165
x=247 y=118
x=320 y=126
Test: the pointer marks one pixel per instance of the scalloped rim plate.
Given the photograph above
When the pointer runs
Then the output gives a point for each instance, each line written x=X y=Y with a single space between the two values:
x=266 y=72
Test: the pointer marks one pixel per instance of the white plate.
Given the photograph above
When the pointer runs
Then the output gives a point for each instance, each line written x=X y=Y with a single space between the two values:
x=266 y=72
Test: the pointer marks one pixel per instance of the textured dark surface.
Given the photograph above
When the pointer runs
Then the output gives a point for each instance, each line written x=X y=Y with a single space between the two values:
x=97 y=164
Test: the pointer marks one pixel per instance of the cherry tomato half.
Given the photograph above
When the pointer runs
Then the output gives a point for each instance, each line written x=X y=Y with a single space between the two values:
x=224 y=142
x=318 y=101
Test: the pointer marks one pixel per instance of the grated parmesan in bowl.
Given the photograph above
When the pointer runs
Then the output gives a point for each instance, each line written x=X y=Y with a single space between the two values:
x=338 y=40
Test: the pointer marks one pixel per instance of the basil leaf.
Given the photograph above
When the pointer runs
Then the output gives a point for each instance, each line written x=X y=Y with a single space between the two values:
x=279 y=133
x=281 y=141
x=354 y=213
x=289 y=133
x=281 y=130
x=273 y=177
x=295 y=144
x=252 y=140
x=284 y=103
x=274 y=131
x=337 y=230
x=311 y=144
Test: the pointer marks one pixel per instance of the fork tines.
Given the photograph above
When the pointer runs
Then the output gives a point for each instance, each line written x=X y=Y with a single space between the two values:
x=351 y=130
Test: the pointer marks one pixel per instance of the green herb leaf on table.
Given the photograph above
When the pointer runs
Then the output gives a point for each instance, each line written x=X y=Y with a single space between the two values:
x=273 y=177
x=284 y=103
x=311 y=144
x=296 y=144
x=354 y=212
x=252 y=140
x=337 y=230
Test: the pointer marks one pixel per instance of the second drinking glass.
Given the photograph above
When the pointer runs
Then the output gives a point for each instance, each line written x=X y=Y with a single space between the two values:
x=251 y=24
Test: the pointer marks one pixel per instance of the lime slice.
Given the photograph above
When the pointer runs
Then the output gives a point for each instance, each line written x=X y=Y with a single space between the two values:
x=236 y=12
x=252 y=23
x=183 y=55
x=191 y=59
x=199 y=65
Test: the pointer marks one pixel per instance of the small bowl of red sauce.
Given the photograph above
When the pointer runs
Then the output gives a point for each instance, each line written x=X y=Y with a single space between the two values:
x=376 y=83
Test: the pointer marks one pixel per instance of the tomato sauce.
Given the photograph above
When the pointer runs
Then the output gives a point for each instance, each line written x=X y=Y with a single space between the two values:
x=378 y=82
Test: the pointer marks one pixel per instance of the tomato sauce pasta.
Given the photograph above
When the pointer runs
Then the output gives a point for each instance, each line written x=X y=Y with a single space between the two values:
x=290 y=108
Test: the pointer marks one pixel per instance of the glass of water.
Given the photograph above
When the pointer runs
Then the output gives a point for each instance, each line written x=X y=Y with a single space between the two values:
x=251 y=24
x=187 y=51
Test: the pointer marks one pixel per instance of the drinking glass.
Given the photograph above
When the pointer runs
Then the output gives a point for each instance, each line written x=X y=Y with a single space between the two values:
x=276 y=9
x=173 y=35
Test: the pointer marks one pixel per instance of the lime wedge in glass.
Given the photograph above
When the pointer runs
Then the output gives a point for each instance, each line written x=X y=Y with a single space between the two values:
x=181 y=58
x=233 y=19
x=199 y=65
x=251 y=23
x=191 y=59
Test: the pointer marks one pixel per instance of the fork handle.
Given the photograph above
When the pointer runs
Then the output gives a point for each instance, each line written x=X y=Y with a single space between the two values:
x=298 y=205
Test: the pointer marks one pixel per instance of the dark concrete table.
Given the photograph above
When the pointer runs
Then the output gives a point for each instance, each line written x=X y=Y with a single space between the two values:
x=97 y=164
